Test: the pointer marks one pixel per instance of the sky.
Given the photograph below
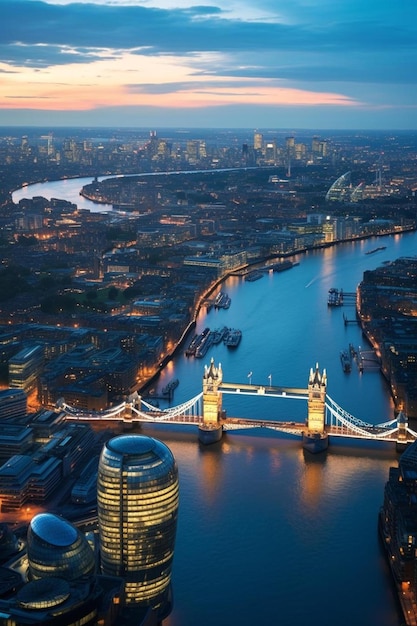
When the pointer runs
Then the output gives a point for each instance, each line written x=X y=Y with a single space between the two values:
x=322 y=64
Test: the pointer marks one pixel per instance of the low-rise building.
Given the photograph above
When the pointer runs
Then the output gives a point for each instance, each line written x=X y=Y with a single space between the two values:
x=13 y=404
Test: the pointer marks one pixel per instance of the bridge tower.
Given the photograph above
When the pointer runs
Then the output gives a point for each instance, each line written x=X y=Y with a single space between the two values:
x=402 y=432
x=128 y=415
x=316 y=438
x=210 y=430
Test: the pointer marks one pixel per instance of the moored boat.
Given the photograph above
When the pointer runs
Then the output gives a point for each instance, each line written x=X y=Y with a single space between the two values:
x=169 y=388
x=283 y=265
x=346 y=361
x=233 y=337
x=190 y=351
x=222 y=300
x=218 y=334
x=204 y=345
x=197 y=343
x=376 y=250
x=255 y=275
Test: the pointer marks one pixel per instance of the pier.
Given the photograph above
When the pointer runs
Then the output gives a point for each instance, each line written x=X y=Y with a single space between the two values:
x=347 y=321
x=338 y=297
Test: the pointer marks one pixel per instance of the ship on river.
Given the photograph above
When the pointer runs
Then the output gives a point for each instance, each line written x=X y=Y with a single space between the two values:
x=346 y=361
x=254 y=275
x=204 y=345
x=218 y=335
x=196 y=342
x=232 y=337
x=222 y=300
x=376 y=250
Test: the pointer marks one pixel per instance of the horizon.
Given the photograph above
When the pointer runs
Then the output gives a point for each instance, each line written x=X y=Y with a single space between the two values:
x=309 y=64
x=187 y=129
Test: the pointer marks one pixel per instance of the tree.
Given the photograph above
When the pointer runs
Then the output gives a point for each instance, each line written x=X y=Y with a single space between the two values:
x=91 y=295
x=113 y=293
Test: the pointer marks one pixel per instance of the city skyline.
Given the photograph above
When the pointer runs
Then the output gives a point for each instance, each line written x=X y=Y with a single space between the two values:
x=305 y=64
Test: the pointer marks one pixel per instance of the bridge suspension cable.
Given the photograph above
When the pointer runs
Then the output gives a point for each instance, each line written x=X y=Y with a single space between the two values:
x=340 y=417
x=190 y=407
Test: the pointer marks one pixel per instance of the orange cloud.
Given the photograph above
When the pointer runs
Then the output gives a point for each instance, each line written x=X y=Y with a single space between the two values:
x=105 y=83
x=87 y=97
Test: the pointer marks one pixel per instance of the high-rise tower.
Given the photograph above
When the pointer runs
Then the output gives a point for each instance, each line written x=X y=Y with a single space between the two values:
x=258 y=140
x=137 y=506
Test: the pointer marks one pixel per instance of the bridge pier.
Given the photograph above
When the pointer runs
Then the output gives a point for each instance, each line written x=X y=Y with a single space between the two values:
x=211 y=430
x=127 y=416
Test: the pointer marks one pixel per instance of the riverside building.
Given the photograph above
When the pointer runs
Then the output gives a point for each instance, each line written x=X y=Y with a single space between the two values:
x=137 y=505
x=13 y=404
x=54 y=581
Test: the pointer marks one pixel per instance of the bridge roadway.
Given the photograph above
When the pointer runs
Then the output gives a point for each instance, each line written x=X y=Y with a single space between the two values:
x=240 y=423
x=265 y=390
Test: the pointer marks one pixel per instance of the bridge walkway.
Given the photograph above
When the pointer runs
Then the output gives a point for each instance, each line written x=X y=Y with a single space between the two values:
x=264 y=390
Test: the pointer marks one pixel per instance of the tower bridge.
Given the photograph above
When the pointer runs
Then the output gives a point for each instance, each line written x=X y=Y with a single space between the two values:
x=324 y=419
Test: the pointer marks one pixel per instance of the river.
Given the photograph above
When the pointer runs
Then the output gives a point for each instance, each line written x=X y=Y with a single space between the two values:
x=267 y=533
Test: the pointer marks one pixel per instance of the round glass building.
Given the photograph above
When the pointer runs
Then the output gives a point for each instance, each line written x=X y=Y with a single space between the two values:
x=57 y=548
x=137 y=506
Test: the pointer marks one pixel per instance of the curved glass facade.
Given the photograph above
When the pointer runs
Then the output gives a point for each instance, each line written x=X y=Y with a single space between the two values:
x=57 y=548
x=340 y=190
x=45 y=593
x=137 y=506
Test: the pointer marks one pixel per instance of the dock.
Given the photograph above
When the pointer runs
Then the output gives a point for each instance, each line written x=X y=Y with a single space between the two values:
x=338 y=297
x=366 y=360
x=347 y=321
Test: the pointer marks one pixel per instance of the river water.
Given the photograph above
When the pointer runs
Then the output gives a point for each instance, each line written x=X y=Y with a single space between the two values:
x=267 y=533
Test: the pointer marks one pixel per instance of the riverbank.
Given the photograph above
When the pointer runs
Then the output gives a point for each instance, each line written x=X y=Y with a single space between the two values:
x=259 y=265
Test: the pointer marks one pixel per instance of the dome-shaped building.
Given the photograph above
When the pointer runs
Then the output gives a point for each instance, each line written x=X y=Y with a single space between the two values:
x=137 y=505
x=57 y=548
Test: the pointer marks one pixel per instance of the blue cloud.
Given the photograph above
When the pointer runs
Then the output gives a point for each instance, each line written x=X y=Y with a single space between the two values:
x=178 y=31
x=366 y=51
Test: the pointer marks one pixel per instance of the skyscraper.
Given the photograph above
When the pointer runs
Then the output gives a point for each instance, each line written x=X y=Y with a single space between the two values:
x=137 y=506
x=258 y=140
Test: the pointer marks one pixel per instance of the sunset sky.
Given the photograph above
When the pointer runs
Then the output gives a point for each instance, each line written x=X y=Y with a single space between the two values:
x=222 y=63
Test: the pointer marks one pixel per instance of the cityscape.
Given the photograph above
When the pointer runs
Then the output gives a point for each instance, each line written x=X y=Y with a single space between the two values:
x=95 y=304
x=208 y=313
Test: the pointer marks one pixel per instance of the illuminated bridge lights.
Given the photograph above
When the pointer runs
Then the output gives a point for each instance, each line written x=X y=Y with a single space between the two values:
x=338 y=421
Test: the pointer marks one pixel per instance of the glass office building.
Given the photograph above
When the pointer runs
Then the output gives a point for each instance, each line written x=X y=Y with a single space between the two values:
x=25 y=367
x=57 y=548
x=137 y=506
